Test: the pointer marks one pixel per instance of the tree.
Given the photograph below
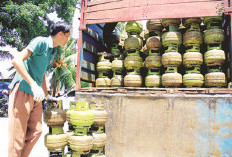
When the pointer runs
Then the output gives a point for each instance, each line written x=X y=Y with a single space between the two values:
x=22 y=20
x=63 y=67
x=121 y=25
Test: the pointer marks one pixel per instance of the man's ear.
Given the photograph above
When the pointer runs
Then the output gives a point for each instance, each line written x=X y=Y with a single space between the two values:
x=60 y=33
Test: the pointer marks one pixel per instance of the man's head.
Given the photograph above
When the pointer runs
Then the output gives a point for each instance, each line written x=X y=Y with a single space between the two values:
x=60 y=30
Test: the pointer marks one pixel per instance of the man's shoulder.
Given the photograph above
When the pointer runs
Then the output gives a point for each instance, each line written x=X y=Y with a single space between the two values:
x=41 y=39
x=38 y=44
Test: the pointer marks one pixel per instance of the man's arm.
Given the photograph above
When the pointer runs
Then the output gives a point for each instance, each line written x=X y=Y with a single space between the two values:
x=44 y=86
x=37 y=91
x=20 y=67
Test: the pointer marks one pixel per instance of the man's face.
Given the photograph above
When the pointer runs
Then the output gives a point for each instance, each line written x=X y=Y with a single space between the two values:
x=64 y=38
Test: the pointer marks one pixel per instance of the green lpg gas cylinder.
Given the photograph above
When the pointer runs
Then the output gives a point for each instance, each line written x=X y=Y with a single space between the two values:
x=192 y=38
x=188 y=22
x=213 y=22
x=215 y=79
x=153 y=62
x=81 y=116
x=153 y=43
x=193 y=80
x=133 y=43
x=171 y=78
x=133 y=62
x=154 y=25
x=171 y=39
x=55 y=116
x=134 y=27
x=193 y=77
x=192 y=59
x=117 y=64
x=214 y=36
x=99 y=140
x=54 y=142
x=171 y=22
x=171 y=58
x=81 y=144
x=102 y=80
x=133 y=79
x=116 y=81
x=104 y=65
x=153 y=79
x=214 y=57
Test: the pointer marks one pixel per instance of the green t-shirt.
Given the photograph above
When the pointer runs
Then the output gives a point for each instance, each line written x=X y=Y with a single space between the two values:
x=38 y=63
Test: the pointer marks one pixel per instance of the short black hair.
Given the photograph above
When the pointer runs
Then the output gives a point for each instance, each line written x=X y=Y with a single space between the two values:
x=59 y=27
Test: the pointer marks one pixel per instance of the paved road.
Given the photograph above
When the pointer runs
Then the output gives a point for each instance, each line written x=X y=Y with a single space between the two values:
x=38 y=151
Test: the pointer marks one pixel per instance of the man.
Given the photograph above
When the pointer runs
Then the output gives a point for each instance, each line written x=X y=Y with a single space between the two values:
x=28 y=89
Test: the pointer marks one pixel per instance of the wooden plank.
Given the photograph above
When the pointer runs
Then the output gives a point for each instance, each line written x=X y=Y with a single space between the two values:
x=197 y=6
x=197 y=9
x=111 y=5
x=100 y=2
x=166 y=2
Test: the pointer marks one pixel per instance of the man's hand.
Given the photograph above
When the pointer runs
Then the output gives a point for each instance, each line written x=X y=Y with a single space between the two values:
x=37 y=92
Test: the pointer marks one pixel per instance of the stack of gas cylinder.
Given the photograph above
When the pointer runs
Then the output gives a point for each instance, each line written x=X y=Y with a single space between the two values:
x=81 y=118
x=87 y=122
x=152 y=49
x=97 y=130
x=86 y=129
x=55 y=117
x=215 y=56
x=171 y=59
x=192 y=58
x=103 y=68
x=159 y=56
x=117 y=66
x=133 y=62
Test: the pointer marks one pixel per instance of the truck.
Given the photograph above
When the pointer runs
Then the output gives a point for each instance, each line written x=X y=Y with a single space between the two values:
x=150 y=122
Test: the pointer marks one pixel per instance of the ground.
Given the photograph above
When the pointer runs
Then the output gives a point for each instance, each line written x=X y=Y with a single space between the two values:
x=38 y=151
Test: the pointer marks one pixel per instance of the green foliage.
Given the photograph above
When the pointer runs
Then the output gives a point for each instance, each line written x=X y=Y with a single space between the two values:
x=66 y=75
x=85 y=84
x=72 y=69
x=22 y=20
x=5 y=55
x=64 y=8
x=69 y=49
x=121 y=25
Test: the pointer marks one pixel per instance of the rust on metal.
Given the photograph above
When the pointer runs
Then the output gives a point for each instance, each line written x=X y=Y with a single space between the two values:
x=158 y=90
x=165 y=124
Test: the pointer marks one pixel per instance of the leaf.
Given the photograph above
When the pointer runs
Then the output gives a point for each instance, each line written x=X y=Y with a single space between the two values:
x=28 y=18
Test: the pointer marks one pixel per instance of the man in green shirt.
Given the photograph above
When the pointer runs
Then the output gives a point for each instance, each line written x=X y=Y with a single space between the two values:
x=28 y=89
